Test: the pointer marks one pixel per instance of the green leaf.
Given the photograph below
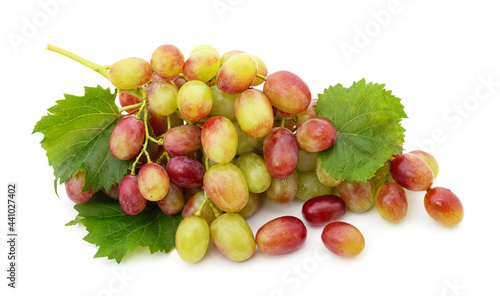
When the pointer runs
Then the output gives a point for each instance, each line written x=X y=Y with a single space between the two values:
x=76 y=137
x=116 y=233
x=368 y=122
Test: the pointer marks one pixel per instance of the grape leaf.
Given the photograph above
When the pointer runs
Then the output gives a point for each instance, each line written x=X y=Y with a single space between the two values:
x=76 y=137
x=116 y=233
x=368 y=122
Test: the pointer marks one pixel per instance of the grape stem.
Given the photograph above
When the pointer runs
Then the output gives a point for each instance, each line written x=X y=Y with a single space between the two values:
x=130 y=107
x=103 y=70
x=262 y=77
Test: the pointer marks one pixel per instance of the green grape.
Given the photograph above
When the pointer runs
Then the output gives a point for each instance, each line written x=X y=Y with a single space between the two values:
x=162 y=97
x=232 y=237
x=167 y=61
x=429 y=159
x=261 y=70
x=237 y=74
x=226 y=186
x=227 y=55
x=245 y=142
x=310 y=186
x=191 y=239
x=324 y=177
x=306 y=161
x=194 y=100
x=219 y=139
x=254 y=113
x=204 y=47
x=381 y=175
x=255 y=171
x=130 y=73
x=201 y=65
x=251 y=207
x=223 y=104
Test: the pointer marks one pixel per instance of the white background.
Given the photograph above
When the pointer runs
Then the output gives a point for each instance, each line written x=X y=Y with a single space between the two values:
x=434 y=55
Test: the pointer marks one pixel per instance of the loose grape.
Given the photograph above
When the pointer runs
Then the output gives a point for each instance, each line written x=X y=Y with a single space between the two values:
x=444 y=206
x=281 y=235
x=429 y=159
x=343 y=239
x=323 y=209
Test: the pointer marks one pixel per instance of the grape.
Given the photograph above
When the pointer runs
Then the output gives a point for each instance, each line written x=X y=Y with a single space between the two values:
x=167 y=61
x=74 y=186
x=113 y=192
x=227 y=55
x=194 y=203
x=251 y=207
x=223 y=104
x=127 y=138
x=204 y=47
x=306 y=161
x=162 y=97
x=226 y=187
x=310 y=186
x=185 y=171
x=194 y=100
x=282 y=191
x=255 y=171
x=173 y=203
x=219 y=139
x=130 y=73
x=358 y=196
x=307 y=114
x=391 y=202
x=232 y=236
x=129 y=195
x=237 y=74
x=178 y=81
x=182 y=140
x=324 y=177
x=159 y=124
x=127 y=99
x=191 y=239
x=254 y=113
x=202 y=65
x=444 y=206
x=153 y=181
x=261 y=70
x=316 y=135
x=323 y=209
x=429 y=159
x=245 y=142
x=380 y=177
x=343 y=239
x=280 y=152
x=281 y=235
x=411 y=172
x=287 y=92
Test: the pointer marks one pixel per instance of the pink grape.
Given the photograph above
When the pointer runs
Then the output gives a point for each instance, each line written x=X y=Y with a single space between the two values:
x=74 y=187
x=127 y=138
x=411 y=172
x=185 y=171
x=280 y=152
x=281 y=235
x=182 y=140
x=129 y=195
x=154 y=181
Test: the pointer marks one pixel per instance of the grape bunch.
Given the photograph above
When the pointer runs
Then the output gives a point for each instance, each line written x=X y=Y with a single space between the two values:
x=211 y=135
